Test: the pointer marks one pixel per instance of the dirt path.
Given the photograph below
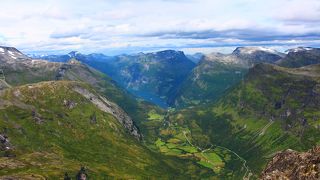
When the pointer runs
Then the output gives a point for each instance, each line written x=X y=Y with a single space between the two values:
x=202 y=151
x=248 y=172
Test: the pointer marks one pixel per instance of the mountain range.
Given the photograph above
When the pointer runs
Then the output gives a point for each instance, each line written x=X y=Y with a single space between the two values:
x=161 y=77
x=156 y=115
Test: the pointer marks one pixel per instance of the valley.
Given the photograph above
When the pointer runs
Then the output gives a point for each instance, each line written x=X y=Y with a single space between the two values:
x=155 y=114
x=160 y=89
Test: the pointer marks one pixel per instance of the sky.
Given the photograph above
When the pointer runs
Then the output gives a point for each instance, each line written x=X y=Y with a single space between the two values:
x=130 y=26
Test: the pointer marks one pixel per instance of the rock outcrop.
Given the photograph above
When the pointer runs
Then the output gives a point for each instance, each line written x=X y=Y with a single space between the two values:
x=107 y=106
x=4 y=143
x=293 y=165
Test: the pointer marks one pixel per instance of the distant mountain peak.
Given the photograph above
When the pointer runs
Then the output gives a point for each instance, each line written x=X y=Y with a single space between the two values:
x=10 y=54
x=73 y=53
x=254 y=49
x=10 y=50
x=300 y=56
x=299 y=49
x=170 y=53
x=5 y=48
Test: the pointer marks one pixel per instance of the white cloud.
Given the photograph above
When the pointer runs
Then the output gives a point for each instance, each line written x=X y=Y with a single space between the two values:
x=297 y=11
x=103 y=25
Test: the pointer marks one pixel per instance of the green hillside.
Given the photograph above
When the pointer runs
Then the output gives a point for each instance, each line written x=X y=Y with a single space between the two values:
x=216 y=73
x=60 y=116
x=273 y=109
x=53 y=129
x=33 y=71
x=207 y=82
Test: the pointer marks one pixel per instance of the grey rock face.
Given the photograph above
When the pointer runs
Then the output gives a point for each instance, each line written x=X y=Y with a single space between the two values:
x=109 y=107
x=4 y=143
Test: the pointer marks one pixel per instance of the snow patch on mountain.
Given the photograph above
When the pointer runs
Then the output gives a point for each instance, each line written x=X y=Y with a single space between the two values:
x=299 y=49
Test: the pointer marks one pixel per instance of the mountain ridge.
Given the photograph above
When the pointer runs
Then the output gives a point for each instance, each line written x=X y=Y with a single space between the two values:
x=299 y=57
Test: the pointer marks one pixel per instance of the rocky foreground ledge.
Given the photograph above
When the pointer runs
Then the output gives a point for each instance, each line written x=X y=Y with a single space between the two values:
x=293 y=165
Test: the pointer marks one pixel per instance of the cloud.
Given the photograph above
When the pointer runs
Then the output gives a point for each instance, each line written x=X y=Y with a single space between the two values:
x=296 y=11
x=129 y=25
x=65 y=35
x=240 y=34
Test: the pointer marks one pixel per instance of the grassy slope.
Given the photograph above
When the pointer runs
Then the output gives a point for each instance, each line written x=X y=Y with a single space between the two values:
x=65 y=138
x=47 y=71
x=235 y=122
x=183 y=137
x=207 y=83
x=248 y=121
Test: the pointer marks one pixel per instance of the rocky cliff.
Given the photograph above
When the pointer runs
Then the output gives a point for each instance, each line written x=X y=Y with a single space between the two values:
x=293 y=165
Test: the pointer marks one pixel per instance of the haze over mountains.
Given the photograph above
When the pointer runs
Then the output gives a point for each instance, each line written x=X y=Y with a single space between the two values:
x=156 y=115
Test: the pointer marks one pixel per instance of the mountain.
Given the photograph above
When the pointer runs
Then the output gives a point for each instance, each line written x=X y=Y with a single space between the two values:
x=272 y=109
x=50 y=128
x=290 y=164
x=171 y=78
x=196 y=58
x=217 y=72
x=25 y=71
x=9 y=54
x=208 y=81
x=301 y=56
x=254 y=55
x=151 y=76
x=16 y=72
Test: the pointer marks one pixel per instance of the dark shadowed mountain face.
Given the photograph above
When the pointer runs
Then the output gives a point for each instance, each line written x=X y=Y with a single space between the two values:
x=157 y=74
x=301 y=56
